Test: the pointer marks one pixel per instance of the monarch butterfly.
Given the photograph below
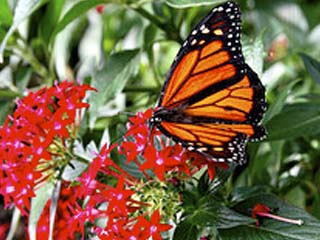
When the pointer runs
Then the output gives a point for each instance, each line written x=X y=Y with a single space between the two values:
x=212 y=101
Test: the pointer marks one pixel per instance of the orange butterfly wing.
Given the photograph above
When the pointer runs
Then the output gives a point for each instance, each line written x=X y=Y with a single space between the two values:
x=212 y=102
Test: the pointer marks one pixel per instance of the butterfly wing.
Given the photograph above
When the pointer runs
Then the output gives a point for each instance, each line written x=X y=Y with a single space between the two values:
x=220 y=142
x=213 y=43
x=211 y=91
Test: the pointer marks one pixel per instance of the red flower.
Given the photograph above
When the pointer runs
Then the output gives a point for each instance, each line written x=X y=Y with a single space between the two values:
x=66 y=222
x=153 y=227
x=36 y=133
x=99 y=9
x=200 y=161
x=118 y=198
x=160 y=161
x=4 y=229
x=261 y=210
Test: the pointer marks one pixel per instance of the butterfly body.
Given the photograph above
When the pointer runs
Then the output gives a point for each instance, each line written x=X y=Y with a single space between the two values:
x=212 y=101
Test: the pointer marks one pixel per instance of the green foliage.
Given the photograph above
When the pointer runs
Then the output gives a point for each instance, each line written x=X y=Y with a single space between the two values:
x=271 y=229
x=37 y=205
x=111 y=79
x=191 y=3
x=137 y=43
x=81 y=7
x=291 y=122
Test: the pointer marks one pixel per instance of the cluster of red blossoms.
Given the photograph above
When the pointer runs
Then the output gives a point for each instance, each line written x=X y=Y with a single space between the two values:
x=36 y=144
x=168 y=157
x=34 y=137
x=87 y=200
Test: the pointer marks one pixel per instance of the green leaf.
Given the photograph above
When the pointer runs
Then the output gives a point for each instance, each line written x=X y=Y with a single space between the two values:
x=295 y=121
x=228 y=218
x=149 y=36
x=2 y=33
x=50 y=19
x=274 y=229
x=5 y=13
x=203 y=211
x=191 y=3
x=77 y=10
x=241 y=194
x=37 y=204
x=253 y=52
x=186 y=231
x=278 y=104
x=8 y=94
x=5 y=109
x=23 y=76
x=53 y=207
x=296 y=196
x=312 y=66
x=22 y=11
x=112 y=79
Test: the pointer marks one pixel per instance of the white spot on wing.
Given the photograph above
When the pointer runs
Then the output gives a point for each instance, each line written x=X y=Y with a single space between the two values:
x=205 y=31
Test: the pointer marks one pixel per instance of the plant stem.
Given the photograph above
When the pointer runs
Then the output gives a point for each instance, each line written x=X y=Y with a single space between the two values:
x=169 y=29
x=26 y=53
x=141 y=89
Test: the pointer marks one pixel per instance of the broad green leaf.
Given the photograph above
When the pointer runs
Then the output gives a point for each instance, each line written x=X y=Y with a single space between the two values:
x=149 y=36
x=8 y=94
x=90 y=58
x=273 y=229
x=297 y=197
x=51 y=18
x=112 y=79
x=316 y=206
x=23 y=76
x=53 y=207
x=37 y=204
x=2 y=33
x=203 y=211
x=253 y=52
x=191 y=3
x=228 y=218
x=186 y=231
x=76 y=167
x=5 y=13
x=312 y=66
x=22 y=11
x=14 y=224
x=212 y=216
x=241 y=194
x=5 y=109
x=276 y=107
x=77 y=10
x=73 y=170
x=295 y=121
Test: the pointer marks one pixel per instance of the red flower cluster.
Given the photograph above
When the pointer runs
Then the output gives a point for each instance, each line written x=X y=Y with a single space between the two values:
x=90 y=200
x=31 y=138
x=168 y=157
